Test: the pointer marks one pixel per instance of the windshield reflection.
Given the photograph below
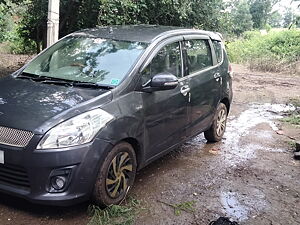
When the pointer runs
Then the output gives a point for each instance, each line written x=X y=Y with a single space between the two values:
x=92 y=60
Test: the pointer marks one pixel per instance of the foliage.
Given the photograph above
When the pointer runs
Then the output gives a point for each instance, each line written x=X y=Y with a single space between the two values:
x=260 y=10
x=6 y=20
x=226 y=16
x=79 y=14
x=293 y=119
x=250 y=34
x=293 y=116
x=120 y=12
x=288 y=18
x=274 y=20
x=3 y=22
x=292 y=144
x=268 y=27
x=188 y=206
x=272 y=52
x=18 y=44
x=33 y=23
x=10 y=13
x=241 y=17
x=115 y=214
x=201 y=14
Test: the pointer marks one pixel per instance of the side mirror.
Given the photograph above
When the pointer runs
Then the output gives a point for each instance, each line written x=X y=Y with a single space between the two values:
x=160 y=82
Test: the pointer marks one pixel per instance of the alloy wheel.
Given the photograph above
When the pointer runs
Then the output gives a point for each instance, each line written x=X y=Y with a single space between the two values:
x=221 y=122
x=119 y=174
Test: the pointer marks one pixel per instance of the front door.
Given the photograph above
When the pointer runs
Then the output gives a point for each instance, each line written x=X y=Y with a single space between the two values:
x=165 y=112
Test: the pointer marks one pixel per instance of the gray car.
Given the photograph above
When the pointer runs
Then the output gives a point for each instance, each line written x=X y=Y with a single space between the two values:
x=82 y=117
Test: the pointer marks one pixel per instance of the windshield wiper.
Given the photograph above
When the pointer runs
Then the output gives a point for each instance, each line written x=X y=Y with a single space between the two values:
x=31 y=76
x=91 y=85
x=59 y=81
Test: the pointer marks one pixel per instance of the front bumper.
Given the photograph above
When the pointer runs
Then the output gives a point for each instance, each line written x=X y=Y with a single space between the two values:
x=27 y=173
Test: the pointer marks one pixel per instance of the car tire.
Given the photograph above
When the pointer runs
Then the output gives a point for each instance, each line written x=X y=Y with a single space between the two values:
x=116 y=175
x=217 y=129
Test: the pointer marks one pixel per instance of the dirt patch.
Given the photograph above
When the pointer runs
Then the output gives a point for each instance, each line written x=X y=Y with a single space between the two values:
x=264 y=87
x=10 y=63
x=250 y=176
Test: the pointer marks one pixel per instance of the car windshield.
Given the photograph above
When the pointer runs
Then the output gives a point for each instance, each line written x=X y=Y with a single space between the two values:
x=85 y=59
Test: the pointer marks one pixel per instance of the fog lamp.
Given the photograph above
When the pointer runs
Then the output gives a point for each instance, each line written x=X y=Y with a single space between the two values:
x=58 y=182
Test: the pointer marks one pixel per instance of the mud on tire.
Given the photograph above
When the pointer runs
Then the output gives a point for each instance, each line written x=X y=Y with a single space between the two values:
x=116 y=175
x=217 y=129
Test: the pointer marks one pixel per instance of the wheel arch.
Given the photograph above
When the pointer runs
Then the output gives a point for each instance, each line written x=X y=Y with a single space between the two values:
x=137 y=149
x=226 y=102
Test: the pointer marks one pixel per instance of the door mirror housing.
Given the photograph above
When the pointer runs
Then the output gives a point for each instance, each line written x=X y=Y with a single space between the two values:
x=161 y=82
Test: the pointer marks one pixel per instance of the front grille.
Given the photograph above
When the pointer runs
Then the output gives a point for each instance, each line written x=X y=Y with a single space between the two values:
x=14 y=176
x=14 y=137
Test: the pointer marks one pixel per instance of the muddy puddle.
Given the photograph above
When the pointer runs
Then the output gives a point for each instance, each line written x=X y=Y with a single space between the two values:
x=237 y=144
x=243 y=126
x=222 y=177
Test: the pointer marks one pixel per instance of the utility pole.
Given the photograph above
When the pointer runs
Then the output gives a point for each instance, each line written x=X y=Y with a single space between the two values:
x=53 y=22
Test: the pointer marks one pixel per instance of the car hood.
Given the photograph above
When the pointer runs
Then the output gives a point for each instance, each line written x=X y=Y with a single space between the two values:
x=27 y=105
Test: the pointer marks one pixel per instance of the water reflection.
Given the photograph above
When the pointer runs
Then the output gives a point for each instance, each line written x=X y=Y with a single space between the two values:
x=242 y=125
x=233 y=207
x=2 y=101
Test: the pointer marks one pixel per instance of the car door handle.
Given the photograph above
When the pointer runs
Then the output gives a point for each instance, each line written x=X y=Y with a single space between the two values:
x=184 y=90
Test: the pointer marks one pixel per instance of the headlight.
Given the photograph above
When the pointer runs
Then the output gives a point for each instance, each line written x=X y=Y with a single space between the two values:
x=78 y=130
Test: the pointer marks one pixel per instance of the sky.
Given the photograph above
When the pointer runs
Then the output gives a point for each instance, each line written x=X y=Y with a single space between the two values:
x=280 y=6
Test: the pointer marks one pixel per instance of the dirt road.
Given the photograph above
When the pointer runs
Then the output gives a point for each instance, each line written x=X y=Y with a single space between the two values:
x=250 y=176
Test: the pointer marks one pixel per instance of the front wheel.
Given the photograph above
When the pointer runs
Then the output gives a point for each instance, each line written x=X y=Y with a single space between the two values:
x=217 y=129
x=116 y=175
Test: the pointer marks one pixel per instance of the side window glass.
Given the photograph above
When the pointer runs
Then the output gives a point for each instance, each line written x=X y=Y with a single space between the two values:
x=198 y=55
x=218 y=50
x=167 y=60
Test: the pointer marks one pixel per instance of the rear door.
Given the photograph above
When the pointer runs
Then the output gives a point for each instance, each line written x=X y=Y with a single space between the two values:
x=165 y=112
x=204 y=79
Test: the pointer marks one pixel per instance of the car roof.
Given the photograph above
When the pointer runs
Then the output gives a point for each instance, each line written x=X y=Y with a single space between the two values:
x=142 y=33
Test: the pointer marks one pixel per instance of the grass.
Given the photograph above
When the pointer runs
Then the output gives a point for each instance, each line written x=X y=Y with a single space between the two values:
x=295 y=102
x=274 y=52
x=292 y=119
x=292 y=144
x=115 y=214
x=188 y=206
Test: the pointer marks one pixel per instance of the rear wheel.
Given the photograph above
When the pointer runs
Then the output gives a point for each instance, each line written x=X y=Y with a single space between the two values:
x=116 y=175
x=217 y=129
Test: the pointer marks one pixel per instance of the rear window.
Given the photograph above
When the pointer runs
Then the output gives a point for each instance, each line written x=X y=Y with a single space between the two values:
x=218 y=50
x=198 y=55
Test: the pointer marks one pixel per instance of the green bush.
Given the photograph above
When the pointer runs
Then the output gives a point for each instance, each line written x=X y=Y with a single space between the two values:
x=268 y=27
x=18 y=44
x=274 y=52
x=250 y=34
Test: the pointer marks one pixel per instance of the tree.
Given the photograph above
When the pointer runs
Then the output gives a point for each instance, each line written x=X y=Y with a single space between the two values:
x=3 y=22
x=8 y=18
x=208 y=15
x=275 y=19
x=79 y=14
x=120 y=12
x=288 y=17
x=33 y=25
x=241 y=17
x=260 y=10
x=75 y=15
